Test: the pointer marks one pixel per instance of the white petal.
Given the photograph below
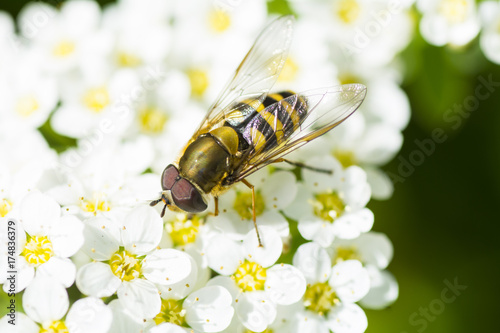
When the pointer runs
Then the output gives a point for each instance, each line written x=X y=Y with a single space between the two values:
x=123 y=321
x=380 y=184
x=96 y=279
x=350 y=280
x=89 y=314
x=313 y=261
x=313 y=228
x=209 y=309
x=299 y=207
x=168 y=328
x=384 y=290
x=67 y=236
x=318 y=181
x=272 y=219
x=102 y=238
x=347 y=318
x=167 y=266
x=59 y=269
x=184 y=287
x=142 y=230
x=227 y=283
x=45 y=300
x=285 y=284
x=350 y=225
x=224 y=255
x=255 y=310
x=375 y=249
x=23 y=324
x=140 y=297
x=309 y=322
x=267 y=254
x=39 y=212
x=279 y=189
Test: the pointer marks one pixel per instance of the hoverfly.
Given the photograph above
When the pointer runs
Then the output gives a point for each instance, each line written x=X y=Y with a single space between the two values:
x=247 y=128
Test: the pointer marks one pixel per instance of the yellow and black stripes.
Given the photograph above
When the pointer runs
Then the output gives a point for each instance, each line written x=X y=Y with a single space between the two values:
x=273 y=122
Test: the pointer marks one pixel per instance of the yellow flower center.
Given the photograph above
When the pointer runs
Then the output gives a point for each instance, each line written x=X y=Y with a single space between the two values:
x=198 y=80
x=38 y=250
x=152 y=120
x=125 y=59
x=347 y=78
x=243 y=204
x=96 y=99
x=455 y=11
x=289 y=71
x=183 y=230
x=171 y=312
x=348 y=10
x=346 y=253
x=56 y=326
x=250 y=276
x=267 y=330
x=328 y=206
x=63 y=49
x=346 y=158
x=5 y=207
x=97 y=203
x=219 y=20
x=26 y=106
x=125 y=265
x=320 y=298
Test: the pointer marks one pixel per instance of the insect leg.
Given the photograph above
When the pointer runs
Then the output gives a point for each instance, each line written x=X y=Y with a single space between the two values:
x=216 y=200
x=302 y=165
x=250 y=186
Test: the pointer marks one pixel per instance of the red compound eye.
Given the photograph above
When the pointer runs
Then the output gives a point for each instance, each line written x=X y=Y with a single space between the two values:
x=169 y=177
x=187 y=197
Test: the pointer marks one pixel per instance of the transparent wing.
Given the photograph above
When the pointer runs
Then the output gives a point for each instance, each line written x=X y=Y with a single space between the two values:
x=326 y=108
x=256 y=74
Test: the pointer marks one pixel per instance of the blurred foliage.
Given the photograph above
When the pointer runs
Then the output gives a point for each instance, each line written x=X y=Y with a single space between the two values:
x=442 y=219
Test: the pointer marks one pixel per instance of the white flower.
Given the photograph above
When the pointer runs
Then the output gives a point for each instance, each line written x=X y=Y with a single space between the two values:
x=250 y=274
x=46 y=302
x=61 y=39
x=127 y=262
x=375 y=251
x=331 y=206
x=490 y=36
x=49 y=241
x=453 y=22
x=273 y=192
x=331 y=291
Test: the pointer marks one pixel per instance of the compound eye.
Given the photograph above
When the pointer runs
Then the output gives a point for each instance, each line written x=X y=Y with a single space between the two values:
x=169 y=177
x=187 y=197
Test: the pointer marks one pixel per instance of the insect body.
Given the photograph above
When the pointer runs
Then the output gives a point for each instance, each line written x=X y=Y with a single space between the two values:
x=248 y=128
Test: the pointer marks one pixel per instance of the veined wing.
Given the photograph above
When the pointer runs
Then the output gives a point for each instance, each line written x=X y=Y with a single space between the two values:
x=256 y=74
x=325 y=109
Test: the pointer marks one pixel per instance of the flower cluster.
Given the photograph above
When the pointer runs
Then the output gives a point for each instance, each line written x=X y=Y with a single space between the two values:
x=96 y=102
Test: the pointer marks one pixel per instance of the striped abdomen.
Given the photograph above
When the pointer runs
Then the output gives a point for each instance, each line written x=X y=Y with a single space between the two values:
x=263 y=128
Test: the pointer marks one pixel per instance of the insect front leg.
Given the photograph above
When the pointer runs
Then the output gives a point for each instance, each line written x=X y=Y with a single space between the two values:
x=216 y=201
x=250 y=186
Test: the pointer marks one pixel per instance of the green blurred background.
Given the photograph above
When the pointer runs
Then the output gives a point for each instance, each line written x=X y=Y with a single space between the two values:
x=442 y=218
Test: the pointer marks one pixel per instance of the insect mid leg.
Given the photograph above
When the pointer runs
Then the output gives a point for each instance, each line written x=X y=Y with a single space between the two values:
x=216 y=201
x=250 y=186
x=305 y=166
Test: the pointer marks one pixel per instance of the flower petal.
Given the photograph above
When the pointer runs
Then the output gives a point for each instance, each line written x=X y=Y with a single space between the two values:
x=285 y=284
x=279 y=189
x=59 y=269
x=96 y=279
x=384 y=290
x=24 y=324
x=313 y=261
x=140 y=297
x=347 y=318
x=142 y=230
x=224 y=255
x=255 y=310
x=168 y=266
x=209 y=309
x=102 y=238
x=123 y=321
x=45 y=299
x=350 y=280
x=89 y=314
x=267 y=254
x=67 y=236
x=39 y=212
